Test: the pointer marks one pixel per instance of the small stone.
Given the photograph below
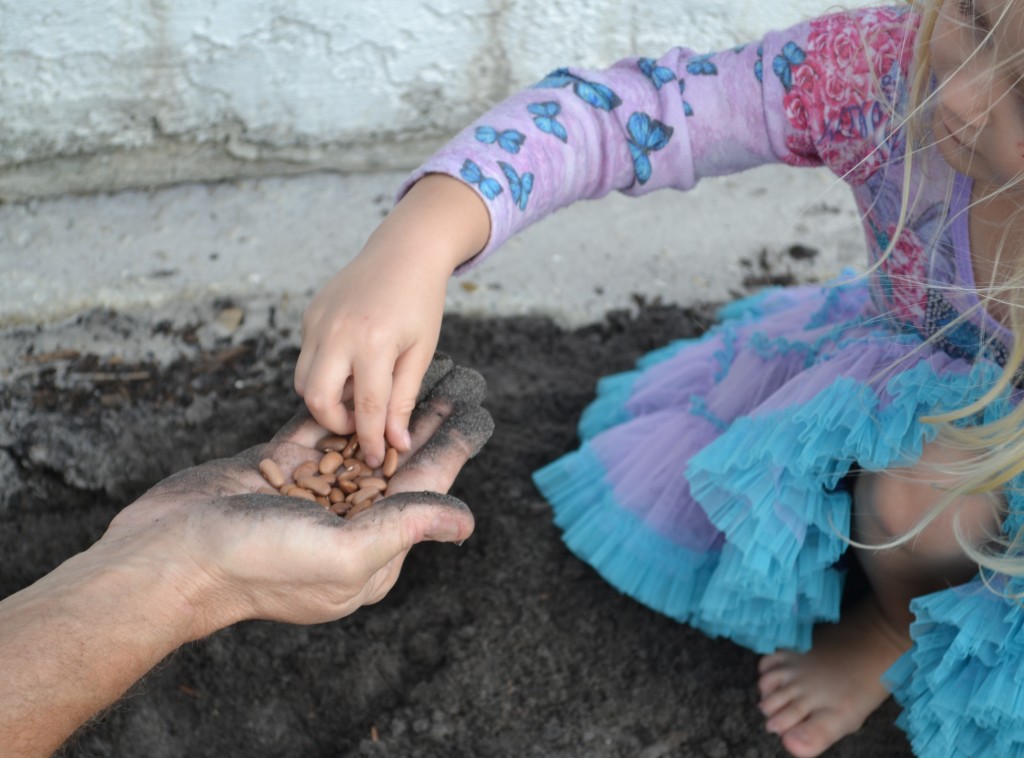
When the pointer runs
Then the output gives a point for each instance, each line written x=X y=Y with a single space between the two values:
x=230 y=319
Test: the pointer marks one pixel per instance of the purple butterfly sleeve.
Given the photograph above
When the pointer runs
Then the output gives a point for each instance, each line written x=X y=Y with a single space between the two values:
x=638 y=126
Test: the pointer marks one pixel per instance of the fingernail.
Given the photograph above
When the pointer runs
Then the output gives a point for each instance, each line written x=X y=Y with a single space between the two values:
x=443 y=529
x=373 y=461
x=406 y=439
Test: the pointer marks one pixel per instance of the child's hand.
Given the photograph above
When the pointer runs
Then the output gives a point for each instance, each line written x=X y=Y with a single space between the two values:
x=367 y=339
x=370 y=333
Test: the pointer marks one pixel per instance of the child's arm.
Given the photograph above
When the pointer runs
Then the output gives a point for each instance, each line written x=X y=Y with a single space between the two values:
x=378 y=320
x=369 y=334
x=640 y=125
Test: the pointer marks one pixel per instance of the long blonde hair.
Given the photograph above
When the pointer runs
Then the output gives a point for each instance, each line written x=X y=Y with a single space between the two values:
x=993 y=447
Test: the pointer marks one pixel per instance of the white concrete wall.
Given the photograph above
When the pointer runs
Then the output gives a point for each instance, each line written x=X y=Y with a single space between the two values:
x=108 y=94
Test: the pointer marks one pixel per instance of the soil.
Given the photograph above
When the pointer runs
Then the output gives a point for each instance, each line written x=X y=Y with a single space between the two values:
x=506 y=646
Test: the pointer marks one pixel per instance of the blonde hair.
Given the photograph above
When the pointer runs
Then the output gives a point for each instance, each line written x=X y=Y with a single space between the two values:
x=993 y=447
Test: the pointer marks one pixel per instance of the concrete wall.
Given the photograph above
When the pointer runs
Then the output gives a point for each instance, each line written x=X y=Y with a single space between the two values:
x=110 y=94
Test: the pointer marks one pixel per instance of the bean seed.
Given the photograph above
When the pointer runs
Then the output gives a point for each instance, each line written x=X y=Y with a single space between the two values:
x=390 y=464
x=349 y=473
x=272 y=473
x=363 y=494
x=332 y=442
x=340 y=480
x=314 y=483
x=330 y=463
x=372 y=481
x=355 y=510
x=309 y=467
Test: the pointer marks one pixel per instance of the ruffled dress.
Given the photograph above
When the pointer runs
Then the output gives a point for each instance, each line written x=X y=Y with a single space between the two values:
x=709 y=482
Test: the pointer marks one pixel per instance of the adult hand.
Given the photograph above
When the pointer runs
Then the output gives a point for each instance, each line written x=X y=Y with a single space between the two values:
x=200 y=551
x=265 y=556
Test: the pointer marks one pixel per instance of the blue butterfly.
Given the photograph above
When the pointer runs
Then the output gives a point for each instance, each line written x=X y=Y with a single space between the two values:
x=658 y=75
x=509 y=140
x=645 y=136
x=701 y=65
x=687 y=108
x=759 y=64
x=783 y=64
x=471 y=172
x=593 y=93
x=544 y=117
x=519 y=186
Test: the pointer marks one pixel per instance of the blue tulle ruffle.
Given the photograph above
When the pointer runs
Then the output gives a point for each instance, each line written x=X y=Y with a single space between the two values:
x=597 y=530
x=962 y=683
x=770 y=481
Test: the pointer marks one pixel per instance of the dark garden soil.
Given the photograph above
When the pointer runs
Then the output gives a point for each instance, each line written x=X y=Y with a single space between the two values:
x=506 y=646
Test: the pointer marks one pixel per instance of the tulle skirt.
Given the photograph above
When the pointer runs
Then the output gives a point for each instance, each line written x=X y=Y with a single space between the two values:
x=709 y=485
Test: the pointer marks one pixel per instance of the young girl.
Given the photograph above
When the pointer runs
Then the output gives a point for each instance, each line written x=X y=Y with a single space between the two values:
x=813 y=424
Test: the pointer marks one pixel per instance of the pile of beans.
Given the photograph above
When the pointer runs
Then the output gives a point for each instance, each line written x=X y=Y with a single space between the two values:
x=340 y=481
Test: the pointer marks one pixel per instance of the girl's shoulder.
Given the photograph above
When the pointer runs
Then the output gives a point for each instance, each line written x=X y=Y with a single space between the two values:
x=844 y=82
x=862 y=36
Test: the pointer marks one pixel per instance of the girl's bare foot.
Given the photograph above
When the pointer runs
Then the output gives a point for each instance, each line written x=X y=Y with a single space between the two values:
x=811 y=700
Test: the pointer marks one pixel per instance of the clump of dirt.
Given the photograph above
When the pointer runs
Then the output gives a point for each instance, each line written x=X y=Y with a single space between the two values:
x=506 y=646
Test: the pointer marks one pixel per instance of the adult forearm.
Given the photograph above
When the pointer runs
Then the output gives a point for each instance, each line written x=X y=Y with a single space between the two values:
x=72 y=643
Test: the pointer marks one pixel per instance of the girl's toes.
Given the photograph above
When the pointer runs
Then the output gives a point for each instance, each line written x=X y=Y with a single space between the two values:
x=767 y=662
x=809 y=739
x=776 y=702
x=772 y=681
x=791 y=715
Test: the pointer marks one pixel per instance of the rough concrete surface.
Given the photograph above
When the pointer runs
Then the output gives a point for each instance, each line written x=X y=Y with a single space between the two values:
x=101 y=96
x=119 y=366
x=279 y=239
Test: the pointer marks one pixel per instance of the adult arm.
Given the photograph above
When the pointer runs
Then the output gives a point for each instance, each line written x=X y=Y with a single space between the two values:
x=199 y=552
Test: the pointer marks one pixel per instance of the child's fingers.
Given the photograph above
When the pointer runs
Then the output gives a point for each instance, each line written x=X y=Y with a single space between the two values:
x=409 y=373
x=371 y=393
x=325 y=384
x=302 y=366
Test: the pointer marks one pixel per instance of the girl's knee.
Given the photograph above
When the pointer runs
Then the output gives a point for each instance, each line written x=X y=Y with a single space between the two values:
x=889 y=505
